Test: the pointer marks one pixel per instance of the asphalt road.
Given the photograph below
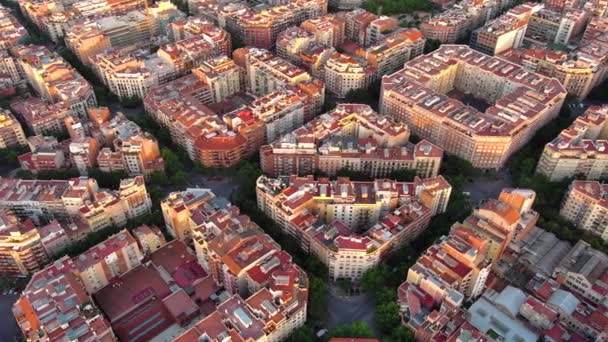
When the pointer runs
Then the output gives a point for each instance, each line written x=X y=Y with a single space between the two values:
x=345 y=310
x=487 y=186
x=8 y=325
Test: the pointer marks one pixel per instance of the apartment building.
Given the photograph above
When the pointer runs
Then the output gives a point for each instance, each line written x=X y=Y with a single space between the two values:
x=54 y=79
x=46 y=154
x=191 y=52
x=21 y=251
x=580 y=149
x=586 y=206
x=127 y=147
x=293 y=41
x=258 y=318
x=149 y=238
x=357 y=22
x=419 y=95
x=115 y=208
x=577 y=71
x=452 y=269
x=184 y=28
x=233 y=250
x=457 y=22
x=108 y=259
x=92 y=37
x=45 y=200
x=11 y=31
x=11 y=133
x=281 y=111
x=328 y=30
x=236 y=253
x=391 y=52
x=266 y=73
x=351 y=226
x=55 y=18
x=457 y=267
x=260 y=29
x=224 y=141
x=10 y=75
x=40 y=116
x=86 y=40
x=505 y=32
x=176 y=210
x=582 y=271
x=130 y=74
x=178 y=106
x=83 y=153
x=548 y=27
x=67 y=303
x=380 y=28
x=354 y=137
x=344 y=73
x=223 y=78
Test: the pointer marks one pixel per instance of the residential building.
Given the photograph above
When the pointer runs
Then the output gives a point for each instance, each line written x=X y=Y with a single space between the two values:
x=458 y=266
x=505 y=32
x=54 y=79
x=190 y=27
x=130 y=74
x=548 y=27
x=11 y=133
x=106 y=260
x=66 y=304
x=108 y=209
x=456 y=23
x=328 y=29
x=454 y=268
x=351 y=226
x=281 y=111
x=224 y=141
x=11 y=31
x=523 y=102
x=93 y=36
x=391 y=52
x=266 y=73
x=222 y=77
x=176 y=210
x=344 y=73
x=10 y=75
x=191 y=52
x=83 y=153
x=132 y=150
x=44 y=200
x=46 y=154
x=577 y=71
x=40 y=116
x=21 y=251
x=236 y=253
x=55 y=18
x=582 y=271
x=260 y=29
x=581 y=149
x=586 y=206
x=354 y=137
x=357 y=22
x=150 y=238
x=293 y=41
x=380 y=28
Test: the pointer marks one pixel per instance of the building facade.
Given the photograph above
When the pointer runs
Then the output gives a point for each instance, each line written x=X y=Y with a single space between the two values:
x=416 y=95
